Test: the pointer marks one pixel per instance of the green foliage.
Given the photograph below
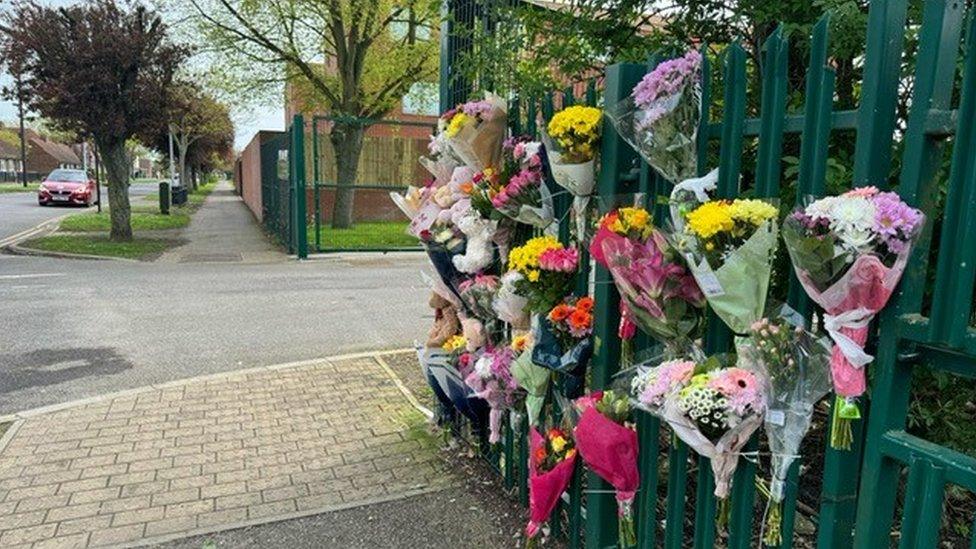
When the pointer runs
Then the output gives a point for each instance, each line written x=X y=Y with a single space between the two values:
x=138 y=248
x=140 y=221
x=366 y=235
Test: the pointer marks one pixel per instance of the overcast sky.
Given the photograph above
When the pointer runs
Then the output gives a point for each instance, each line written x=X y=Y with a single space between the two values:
x=269 y=117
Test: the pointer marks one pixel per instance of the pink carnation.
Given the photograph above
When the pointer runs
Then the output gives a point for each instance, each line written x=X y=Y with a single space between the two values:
x=742 y=389
x=562 y=260
x=864 y=192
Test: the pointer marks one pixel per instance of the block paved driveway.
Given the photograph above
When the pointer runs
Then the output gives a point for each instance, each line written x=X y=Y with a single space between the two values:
x=213 y=453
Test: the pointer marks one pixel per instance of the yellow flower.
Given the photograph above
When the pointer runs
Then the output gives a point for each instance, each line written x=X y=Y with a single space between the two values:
x=520 y=343
x=457 y=122
x=525 y=258
x=710 y=219
x=454 y=343
x=558 y=443
x=576 y=129
x=752 y=211
x=636 y=218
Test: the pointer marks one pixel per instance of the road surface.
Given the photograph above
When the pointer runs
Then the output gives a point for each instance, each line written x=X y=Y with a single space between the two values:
x=72 y=329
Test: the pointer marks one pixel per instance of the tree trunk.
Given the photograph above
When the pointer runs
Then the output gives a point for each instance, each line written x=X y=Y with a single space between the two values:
x=117 y=174
x=347 y=142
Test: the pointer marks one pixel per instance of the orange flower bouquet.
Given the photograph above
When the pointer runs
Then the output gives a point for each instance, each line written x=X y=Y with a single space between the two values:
x=563 y=341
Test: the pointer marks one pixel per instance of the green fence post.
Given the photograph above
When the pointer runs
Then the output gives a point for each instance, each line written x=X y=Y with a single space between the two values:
x=316 y=181
x=617 y=161
x=299 y=214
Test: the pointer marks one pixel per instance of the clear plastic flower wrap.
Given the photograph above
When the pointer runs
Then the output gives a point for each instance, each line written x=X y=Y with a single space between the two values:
x=563 y=341
x=533 y=379
x=515 y=188
x=715 y=413
x=447 y=369
x=475 y=131
x=657 y=374
x=511 y=306
x=849 y=253
x=660 y=118
x=730 y=246
x=491 y=379
x=661 y=296
x=797 y=377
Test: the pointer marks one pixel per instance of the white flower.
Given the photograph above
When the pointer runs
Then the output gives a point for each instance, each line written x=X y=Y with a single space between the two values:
x=483 y=367
x=821 y=209
x=853 y=211
x=531 y=149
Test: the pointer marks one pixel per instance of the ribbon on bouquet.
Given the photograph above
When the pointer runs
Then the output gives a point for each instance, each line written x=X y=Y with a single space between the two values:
x=699 y=186
x=854 y=319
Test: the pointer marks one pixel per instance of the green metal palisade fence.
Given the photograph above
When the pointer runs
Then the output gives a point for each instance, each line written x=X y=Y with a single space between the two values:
x=940 y=335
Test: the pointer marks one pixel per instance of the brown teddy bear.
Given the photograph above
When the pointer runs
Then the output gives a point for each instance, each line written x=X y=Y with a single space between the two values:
x=446 y=321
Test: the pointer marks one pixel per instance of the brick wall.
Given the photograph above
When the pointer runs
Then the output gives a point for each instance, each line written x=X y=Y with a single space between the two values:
x=371 y=205
x=249 y=174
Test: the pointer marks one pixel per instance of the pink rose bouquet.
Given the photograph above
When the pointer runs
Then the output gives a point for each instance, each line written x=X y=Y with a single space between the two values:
x=849 y=253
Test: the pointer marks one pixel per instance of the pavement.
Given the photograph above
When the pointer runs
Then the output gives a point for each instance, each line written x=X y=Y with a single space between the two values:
x=224 y=231
x=215 y=453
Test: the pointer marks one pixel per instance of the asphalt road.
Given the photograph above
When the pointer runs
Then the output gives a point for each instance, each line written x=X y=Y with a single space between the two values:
x=72 y=329
x=20 y=211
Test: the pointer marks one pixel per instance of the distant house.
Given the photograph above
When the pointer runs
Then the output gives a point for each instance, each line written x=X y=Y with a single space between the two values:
x=45 y=155
x=144 y=167
x=9 y=159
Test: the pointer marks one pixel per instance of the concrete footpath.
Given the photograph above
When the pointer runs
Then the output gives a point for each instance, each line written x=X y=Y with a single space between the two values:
x=215 y=453
x=224 y=230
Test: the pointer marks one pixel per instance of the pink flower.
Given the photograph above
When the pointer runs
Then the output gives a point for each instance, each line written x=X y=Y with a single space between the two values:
x=560 y=260
x=864 y=192
x=519 y=150
x=741 y=387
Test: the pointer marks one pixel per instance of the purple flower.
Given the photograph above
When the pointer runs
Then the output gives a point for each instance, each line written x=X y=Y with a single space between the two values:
x=667 y=79
x=895 y=221
x=476 y=108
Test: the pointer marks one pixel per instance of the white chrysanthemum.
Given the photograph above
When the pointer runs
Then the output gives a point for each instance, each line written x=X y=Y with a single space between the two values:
x=855 y=212
x=821 y=209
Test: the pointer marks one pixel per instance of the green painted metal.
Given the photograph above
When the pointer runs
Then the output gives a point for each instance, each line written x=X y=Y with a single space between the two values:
x=297 y=168
x=774 y=93
x=315 y=180
x=648 y=432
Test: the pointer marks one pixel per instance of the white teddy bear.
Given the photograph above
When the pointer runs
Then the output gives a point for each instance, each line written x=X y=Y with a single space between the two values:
x=479 y=233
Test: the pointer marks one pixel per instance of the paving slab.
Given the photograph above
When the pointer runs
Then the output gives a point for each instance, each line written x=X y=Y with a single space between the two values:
x=213 y=453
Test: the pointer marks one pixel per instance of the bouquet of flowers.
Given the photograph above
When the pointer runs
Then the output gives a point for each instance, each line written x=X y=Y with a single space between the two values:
x=491 y=379
x=441 y=160
x=849 y=253
x=474 y=131
x=563 y=342
x=608 y=446
x=547 y=269
x=480 y=321
x=659 y=294
x=797 y=376
x=660 y=118
x=509 y=304
x=572 y=140
x=715 y=413
x=516 y=189
x=531 y=378
x=552 y=460
x=651 y=385
x=446 y=369
x=730 y=246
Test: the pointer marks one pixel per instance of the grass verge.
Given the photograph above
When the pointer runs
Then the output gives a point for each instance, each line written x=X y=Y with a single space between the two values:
x=18 y=188
x=364 y=236
x=141 y=221
x=138 y=248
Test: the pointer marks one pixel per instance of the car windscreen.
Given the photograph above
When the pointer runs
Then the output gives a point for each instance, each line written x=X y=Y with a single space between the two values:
x=73 y=176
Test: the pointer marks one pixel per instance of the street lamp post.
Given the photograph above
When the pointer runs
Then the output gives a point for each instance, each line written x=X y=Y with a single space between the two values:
x=23 y=136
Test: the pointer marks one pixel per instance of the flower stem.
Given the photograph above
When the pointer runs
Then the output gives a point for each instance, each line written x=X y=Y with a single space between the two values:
x=774 y=525
x=841 y=433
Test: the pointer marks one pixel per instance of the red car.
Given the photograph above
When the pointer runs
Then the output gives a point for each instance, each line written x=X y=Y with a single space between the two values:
x=62 y=186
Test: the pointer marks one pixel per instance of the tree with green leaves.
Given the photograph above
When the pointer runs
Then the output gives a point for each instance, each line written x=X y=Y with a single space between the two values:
x=102 y=69
x=356 y=59
x=194 y=116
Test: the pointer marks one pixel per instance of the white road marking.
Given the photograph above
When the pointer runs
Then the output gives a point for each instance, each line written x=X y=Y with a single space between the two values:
x=35 y=275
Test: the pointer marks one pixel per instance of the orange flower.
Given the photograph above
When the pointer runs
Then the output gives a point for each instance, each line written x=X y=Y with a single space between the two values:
x=585 y=304
x=570 y=453
x=540 y=454
x=580 y=319
x=560 y=312
x=553 y=433
x=466 y=188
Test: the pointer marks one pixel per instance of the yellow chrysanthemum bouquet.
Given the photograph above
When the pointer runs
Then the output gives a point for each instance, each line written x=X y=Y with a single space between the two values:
x=572 y=140
x=474 y=131
x=729 y=246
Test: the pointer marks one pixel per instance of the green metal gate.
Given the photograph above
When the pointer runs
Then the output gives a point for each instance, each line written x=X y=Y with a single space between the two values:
x=388 y=162
x=283 y=188
x=929 y=322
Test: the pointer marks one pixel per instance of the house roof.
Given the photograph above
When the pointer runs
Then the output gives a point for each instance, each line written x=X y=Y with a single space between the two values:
x=9 y=150
x=59 y=151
